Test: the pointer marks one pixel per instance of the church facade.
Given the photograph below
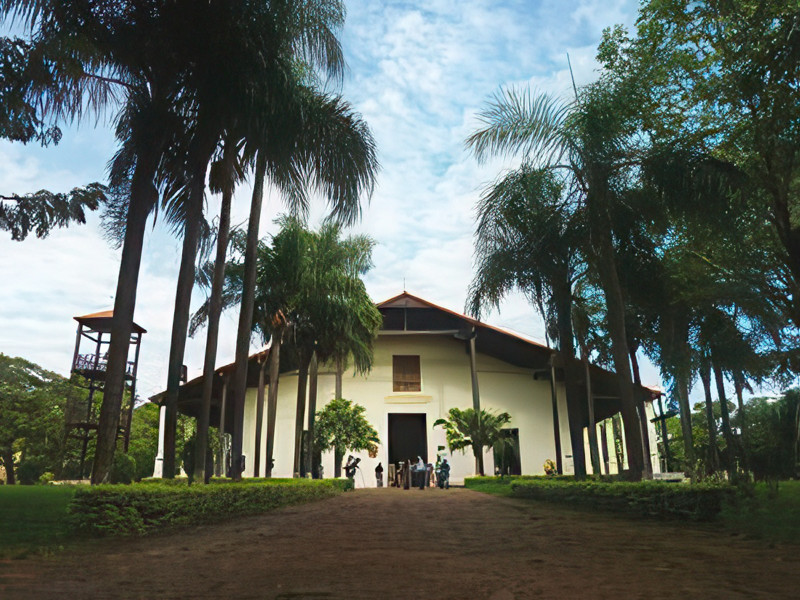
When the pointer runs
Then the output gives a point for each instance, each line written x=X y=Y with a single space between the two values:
x=427 y=360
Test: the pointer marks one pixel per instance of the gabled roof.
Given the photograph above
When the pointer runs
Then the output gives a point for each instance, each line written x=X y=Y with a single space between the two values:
x=406 y=312
x=406 y=300
x=101 y=321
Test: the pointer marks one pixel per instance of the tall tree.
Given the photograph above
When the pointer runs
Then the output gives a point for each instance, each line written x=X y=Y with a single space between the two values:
x=587 y=141
x=342 y=427
x=91 y=56
x=528 y=236
x=224 y=174
x=335 y=319
x=707 y=82
x=329 y=148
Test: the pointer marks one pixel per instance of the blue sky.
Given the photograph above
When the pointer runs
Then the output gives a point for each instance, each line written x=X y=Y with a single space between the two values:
x=418 y=73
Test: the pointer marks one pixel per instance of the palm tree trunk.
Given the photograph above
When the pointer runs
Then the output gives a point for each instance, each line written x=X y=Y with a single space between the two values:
x=143 y=198
x=478 y=452
x=272 y=397
x=738 y=386
x=711 y=422
x=214 y=312
x=594 y=450
x=612 y=290
x=727 y=432
x=338 y=456
x=556 y=424
x=313 y=371
x=637 y=380
x=246 y=317
x=180 y=318
x=338 y=380
x=566 y=346
x=259 y=419
x=302 y=382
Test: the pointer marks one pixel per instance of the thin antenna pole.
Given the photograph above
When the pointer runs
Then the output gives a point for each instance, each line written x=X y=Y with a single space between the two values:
x=572 y=75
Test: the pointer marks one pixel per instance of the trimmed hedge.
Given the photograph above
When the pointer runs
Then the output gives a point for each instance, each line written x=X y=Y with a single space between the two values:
x=477 y=482
x=184 y=481
x=698 y=502
x=121 y=510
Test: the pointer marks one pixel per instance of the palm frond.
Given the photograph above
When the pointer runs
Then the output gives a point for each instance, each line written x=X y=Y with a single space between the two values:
x=519 y=122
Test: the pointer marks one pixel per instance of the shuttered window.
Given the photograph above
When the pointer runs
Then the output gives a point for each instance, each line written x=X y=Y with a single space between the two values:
x=406 y=377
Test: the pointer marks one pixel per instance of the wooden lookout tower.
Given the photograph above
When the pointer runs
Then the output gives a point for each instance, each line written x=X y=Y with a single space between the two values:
x=90 y=361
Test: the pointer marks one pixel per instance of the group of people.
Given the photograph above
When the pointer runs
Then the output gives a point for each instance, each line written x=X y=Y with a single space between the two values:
x=407 y=475
x=418 y=474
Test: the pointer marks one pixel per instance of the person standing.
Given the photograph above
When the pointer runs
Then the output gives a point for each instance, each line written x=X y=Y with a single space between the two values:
x=444 y=475
x=379 y=474
x=422 y=472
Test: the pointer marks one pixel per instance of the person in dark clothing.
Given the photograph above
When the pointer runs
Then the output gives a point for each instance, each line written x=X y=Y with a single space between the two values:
x=422 y=471
x=351 y=466
x=443 y=476
x=379 y=474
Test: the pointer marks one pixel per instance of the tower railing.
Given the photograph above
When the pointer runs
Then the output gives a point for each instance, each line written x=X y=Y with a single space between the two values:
x=90 y=362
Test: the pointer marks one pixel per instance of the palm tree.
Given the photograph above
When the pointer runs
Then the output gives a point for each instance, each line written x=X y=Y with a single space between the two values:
x=97 y=55
x=477 y=430
x=584 y=140
x=329 y=148
x=224 y=174
x=527 y=237
x=279 y=269
x=335 y=318
x=232 y=78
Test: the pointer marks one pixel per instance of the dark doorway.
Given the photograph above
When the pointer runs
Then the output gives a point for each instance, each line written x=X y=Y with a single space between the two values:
x=408 y=437
x=506 y=456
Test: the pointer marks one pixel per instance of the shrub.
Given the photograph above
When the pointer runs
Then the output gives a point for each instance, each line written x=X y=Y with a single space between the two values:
x=117 y=510
x=46 y=477
x=30 y=470
x=698 y=502
x=123 y=469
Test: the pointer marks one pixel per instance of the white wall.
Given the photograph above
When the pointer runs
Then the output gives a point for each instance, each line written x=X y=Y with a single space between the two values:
x=445 y=374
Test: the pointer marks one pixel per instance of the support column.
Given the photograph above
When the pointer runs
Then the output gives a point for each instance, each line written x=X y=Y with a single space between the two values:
x=473 y=368
x=476 y=396
x=222 y=446
x=158 y=469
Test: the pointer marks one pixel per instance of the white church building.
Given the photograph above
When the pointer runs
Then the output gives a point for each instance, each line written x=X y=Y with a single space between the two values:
x=427 y=360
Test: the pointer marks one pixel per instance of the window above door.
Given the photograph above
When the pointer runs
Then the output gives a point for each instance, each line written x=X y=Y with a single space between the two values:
x=405 y=373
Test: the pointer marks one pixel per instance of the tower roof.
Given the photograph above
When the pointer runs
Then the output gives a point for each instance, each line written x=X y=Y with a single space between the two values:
x=101 y=321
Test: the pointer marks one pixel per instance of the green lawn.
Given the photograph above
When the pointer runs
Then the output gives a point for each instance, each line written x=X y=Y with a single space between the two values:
x=768 y=517
x=32 y=518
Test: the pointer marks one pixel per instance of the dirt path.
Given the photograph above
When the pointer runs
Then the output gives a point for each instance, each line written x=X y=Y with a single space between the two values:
x=392 y=543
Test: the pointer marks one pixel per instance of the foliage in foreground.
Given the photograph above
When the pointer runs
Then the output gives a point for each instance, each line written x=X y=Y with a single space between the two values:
x=342 y=426
x=121 y=510
x=469 y=428
x=770 y=512
x=698 y=502
x=32 y=518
